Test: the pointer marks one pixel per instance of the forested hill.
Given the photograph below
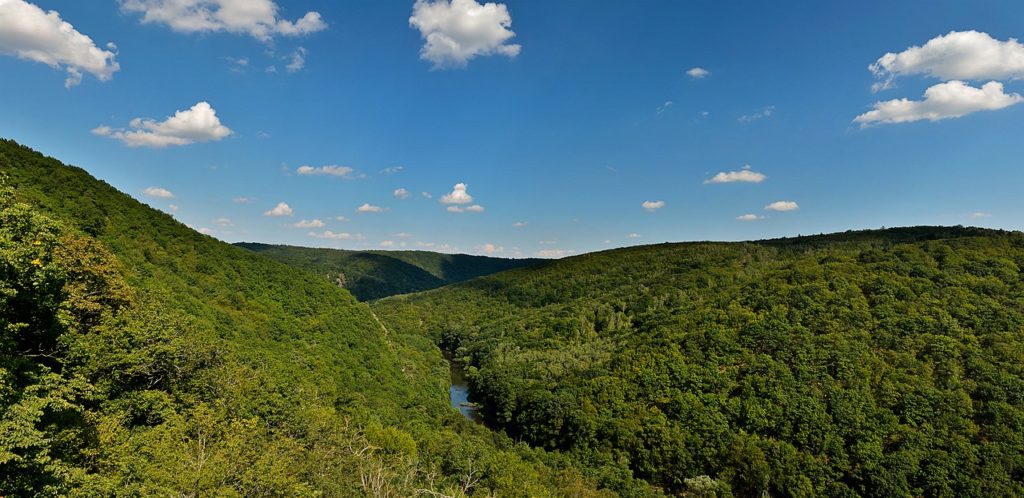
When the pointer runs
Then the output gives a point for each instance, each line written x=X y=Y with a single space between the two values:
x=869 y=363
x=372 y=275
x=141 y=358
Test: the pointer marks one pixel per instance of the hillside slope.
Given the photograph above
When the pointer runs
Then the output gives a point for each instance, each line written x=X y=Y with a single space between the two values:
x=874 y=363
x=139 y=357
x=372 y=275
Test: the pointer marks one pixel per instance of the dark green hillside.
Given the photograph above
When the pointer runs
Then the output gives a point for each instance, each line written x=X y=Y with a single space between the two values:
x=140 y=358
x=372 y=275
x=873 y=363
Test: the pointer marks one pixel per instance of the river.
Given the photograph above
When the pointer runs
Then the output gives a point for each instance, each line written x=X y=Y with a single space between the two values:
x=458 y=393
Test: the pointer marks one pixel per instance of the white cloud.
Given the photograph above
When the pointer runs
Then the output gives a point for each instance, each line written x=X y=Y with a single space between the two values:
x=391 y=170
x=237 y=64
x=664 y=107
x=314 y=223
x=206 y=231
x=980 y=215
x=958 y=55
x=952 y=99
x=281 y=209
x=475 y=208
x=456 y=31
x=158 y=192
x=426 y=195
x=403 y=235
x=330 y=170
x=401 y=193
x=198 y=124
x=369 y=208
x=763 y=113
x=241 y=200
x=173 y=208
x=520 y=224
x=458 y=195
x=652 y=206
x=491 y=249
x=744 y=175
x=698 y=73
x=341 y=218
x=782 y=206
x=29 y=33
x=447 y=248
x=387 y=243
x=749 y=217
x=554 y=253
x=296 y=61
x=327 y=234
x=256 y=18
x=633 y=235
x=223 y=222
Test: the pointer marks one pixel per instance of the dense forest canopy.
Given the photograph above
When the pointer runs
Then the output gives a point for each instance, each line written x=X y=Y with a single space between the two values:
x=139 y=358
x=372 y=275
x=873 y=363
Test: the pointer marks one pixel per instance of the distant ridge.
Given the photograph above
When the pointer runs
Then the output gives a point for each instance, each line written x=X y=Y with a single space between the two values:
x=370 y=275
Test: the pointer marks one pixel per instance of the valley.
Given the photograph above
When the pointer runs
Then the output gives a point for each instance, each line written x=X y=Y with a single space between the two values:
x=863 y=363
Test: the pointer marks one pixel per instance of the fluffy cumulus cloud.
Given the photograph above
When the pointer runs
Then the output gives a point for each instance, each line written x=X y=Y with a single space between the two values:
x=746 y=175
x=458 y=198
x=28 y=32
x=749 y=217
x=329 y=170
x=489 y=248
x=198 y=124
x=698 y=73
x=369 y=208
x=401 y=193
x=160 y=193
x=458 y=195
x=257 y=18
x=281 y=209
x=952 y=99
x=782 y=206
x=652 y=206
x=455 y=31
x=954 y=58
x=958 y=55
x=314 y=223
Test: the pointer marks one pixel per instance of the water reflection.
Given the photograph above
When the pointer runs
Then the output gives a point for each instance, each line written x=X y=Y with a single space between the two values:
x=458 y=393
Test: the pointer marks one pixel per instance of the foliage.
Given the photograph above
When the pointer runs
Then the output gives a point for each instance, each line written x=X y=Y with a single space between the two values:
x=874 y=363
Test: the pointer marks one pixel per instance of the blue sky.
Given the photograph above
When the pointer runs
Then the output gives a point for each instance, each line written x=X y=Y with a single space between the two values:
x=562 y=126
